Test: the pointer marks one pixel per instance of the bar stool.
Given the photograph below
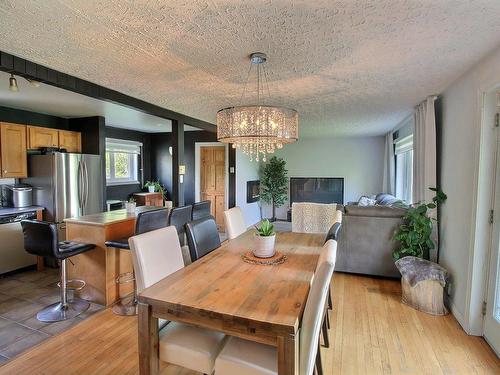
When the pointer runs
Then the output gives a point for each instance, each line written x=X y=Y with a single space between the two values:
x=146 y=221
x=40 y=238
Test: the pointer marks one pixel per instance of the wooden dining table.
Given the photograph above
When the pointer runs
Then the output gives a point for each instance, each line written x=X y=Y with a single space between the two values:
x=261 y=303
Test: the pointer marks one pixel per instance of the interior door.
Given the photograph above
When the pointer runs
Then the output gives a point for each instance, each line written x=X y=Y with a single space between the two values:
x=492 y=317
x=212 y=178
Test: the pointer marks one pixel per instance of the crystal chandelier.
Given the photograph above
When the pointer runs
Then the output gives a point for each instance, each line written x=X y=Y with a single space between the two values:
x=258 y=129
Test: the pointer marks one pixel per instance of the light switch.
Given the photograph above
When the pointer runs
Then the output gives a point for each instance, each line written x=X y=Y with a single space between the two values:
x=182 y=169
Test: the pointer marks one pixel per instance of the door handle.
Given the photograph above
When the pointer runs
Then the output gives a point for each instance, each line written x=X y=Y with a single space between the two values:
x=86 y=190
x=79 y=182
x=81 y=185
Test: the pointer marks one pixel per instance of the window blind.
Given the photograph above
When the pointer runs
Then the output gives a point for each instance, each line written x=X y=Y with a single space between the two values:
x=120 y=145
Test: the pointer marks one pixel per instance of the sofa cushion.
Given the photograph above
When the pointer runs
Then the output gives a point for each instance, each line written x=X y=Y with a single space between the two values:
x=384 y=199
x=374 y=211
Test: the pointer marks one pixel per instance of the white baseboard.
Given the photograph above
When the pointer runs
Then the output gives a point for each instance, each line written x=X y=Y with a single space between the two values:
x=459 y=317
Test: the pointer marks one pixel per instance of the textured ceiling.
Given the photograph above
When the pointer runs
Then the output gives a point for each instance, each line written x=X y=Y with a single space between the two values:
x=58 y=102
x=348 y=67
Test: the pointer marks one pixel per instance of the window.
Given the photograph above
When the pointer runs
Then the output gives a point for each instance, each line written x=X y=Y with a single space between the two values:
x=122 y=161
x=404 y=168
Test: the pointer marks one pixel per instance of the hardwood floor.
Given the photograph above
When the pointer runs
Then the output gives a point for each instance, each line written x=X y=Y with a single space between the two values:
x=372 y=333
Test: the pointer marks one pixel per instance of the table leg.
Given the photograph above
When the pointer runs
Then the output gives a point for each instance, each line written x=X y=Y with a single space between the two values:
x=148 y=341
x=288 y=355
x=39 y=263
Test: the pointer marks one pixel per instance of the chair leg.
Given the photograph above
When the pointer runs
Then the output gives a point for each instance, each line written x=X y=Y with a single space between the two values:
x=330 y=303
x=319 y=365
x=64 y=309
x=324 y=329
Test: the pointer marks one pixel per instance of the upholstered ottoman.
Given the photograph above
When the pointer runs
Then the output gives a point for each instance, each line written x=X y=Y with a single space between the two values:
x=422 y=284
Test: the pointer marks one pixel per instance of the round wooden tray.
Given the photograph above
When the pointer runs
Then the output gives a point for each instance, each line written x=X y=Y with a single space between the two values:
x=277 y=258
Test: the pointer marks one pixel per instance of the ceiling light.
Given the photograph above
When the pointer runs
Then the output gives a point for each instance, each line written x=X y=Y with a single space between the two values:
x=13 y=83
x=258 y=129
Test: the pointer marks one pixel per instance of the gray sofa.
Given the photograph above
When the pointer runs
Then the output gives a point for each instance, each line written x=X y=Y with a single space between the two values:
x=365 y=242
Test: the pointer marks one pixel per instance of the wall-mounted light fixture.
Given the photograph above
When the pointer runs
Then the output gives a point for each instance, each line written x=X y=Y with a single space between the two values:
x=170 y=150
x=13 y=84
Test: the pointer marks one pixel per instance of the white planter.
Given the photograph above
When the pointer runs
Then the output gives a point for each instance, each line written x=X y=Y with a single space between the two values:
x=264 y=246
x=151 y=189
x=130 y=207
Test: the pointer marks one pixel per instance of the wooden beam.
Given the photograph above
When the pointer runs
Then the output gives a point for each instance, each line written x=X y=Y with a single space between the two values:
x=232 y=176
x=28 y=69
x=177 y=161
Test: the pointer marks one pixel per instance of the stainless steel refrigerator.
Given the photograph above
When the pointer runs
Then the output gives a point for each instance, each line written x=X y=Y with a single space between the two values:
x=67 y=185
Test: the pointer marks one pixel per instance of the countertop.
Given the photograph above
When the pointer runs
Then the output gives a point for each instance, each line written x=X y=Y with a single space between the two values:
x=18 y=210
x=109 y=217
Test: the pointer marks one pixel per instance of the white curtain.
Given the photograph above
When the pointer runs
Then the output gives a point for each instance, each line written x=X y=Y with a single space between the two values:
x=424 y=151
x=424 y=160
x=388 y=184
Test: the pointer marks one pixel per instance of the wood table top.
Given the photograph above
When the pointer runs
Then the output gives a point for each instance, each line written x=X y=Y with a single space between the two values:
x=221 y=285
x=109 y=217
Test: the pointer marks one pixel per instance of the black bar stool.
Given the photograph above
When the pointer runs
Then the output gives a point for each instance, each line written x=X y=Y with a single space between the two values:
x=146 y=221
x=40 y=238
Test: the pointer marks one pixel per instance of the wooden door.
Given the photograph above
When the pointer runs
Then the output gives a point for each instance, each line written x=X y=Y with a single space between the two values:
x=42 y=137
x=13 y=150
x=213 y=180
x=71 y=141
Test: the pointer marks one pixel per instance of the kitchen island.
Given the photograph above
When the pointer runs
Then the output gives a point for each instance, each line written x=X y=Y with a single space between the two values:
x=100 y=267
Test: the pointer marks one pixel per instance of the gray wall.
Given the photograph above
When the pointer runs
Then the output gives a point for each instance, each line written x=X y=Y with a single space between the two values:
x=358 y=159
x=463 y=224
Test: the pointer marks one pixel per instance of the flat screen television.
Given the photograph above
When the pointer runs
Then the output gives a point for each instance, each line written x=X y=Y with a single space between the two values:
x=317 y=189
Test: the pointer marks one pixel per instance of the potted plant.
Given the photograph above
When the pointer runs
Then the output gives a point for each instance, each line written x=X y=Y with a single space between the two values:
x=264 y=240
x=415 y=233
x=151 y=186
x=274 y=183
x=130 y=205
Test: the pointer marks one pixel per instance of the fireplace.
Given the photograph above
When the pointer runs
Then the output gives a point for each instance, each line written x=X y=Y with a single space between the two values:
x=253 y=191
x=317 y=189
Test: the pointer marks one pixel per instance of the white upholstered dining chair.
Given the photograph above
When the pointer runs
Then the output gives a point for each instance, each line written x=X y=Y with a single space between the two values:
x=328 y=255
x=156 y=255
x=244 y=357
x=235 y=222
x=313 y=217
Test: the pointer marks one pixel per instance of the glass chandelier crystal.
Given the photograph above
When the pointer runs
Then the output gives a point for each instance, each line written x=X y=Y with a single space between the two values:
x=259 y=129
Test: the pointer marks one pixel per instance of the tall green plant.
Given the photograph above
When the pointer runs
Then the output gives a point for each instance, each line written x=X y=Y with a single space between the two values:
x=274 y=183
x=415 y=233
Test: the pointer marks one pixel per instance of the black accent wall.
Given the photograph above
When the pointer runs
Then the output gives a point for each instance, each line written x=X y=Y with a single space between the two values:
x=161 y=160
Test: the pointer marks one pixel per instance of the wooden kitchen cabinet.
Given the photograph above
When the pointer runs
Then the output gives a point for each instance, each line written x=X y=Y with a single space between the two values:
x=42 y=137
x=71 y=141
x=13 y=150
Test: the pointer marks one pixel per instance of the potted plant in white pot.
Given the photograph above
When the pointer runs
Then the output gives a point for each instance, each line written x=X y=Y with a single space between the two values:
x=264 y=240
x=130 y=205
x=151 y=186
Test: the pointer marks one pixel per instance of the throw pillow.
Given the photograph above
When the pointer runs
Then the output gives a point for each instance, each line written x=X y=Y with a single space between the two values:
x=365 y=201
